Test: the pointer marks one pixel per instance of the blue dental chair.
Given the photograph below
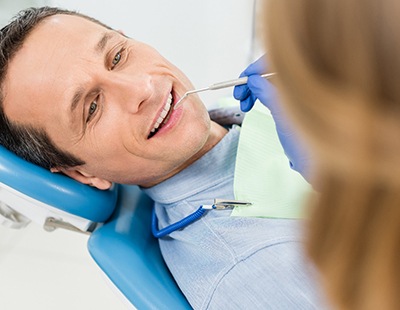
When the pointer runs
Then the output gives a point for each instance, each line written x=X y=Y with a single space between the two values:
x=118 y=221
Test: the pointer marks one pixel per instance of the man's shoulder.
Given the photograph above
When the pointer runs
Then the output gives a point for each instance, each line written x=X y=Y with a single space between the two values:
x=227 y=116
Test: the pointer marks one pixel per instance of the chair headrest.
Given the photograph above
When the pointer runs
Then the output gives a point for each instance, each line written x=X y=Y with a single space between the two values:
x=56 y=190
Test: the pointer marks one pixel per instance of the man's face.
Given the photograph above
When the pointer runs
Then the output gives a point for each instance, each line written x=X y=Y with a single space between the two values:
x=99 y=95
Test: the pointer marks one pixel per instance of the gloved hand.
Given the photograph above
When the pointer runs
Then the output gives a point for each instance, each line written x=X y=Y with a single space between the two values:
x=259 y=88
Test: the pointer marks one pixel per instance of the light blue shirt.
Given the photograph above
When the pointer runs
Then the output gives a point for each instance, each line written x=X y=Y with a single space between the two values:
x=224 y=262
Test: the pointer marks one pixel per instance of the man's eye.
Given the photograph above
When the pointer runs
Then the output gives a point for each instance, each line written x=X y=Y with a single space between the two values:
x=116 y=59
x=92 y=110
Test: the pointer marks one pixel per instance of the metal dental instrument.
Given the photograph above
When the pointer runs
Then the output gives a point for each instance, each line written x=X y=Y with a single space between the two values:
x=230 y=83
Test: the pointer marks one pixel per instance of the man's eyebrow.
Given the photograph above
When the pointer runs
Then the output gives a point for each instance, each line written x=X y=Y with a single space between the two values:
x=103 y=41
x=76 y=98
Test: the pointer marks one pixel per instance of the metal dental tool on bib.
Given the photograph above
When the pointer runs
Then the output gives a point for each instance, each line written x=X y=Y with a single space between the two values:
x=220 y=85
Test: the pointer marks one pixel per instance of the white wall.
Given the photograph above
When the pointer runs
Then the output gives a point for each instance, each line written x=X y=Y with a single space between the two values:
x=9 y=8
x=46 y=271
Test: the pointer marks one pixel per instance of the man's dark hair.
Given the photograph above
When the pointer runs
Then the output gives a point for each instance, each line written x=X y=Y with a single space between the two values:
x=31 y=143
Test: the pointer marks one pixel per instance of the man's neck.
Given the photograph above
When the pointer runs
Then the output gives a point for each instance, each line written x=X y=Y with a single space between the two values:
x=217 y=132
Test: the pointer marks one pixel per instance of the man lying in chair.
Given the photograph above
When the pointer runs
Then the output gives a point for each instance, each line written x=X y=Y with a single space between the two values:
x=82 y=99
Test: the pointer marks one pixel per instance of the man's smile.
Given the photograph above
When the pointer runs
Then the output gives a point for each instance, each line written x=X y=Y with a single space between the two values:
x=163 y=116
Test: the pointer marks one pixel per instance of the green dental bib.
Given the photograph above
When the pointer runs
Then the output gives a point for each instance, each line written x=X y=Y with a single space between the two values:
x=263 y=175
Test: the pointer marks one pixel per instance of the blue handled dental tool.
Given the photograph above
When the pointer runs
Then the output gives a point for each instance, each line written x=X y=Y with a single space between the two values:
x=230 y=83
x=219 y=204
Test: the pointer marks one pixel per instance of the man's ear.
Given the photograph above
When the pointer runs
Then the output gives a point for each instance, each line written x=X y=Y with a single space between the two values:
x=84 y=178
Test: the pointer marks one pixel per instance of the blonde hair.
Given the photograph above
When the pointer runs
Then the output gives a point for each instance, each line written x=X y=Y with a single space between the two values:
x=338 y=64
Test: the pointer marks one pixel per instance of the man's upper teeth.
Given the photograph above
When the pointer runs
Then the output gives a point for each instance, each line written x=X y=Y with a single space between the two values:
x=163 y=113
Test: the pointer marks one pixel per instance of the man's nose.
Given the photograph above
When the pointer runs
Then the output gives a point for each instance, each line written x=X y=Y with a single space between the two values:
x=132 y=91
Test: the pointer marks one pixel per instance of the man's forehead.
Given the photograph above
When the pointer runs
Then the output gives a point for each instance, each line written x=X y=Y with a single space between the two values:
x=58 y=36
x=49 y=55
x=70 y=25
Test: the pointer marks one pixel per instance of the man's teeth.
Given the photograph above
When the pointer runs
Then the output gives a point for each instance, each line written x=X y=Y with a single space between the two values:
x=163 y=113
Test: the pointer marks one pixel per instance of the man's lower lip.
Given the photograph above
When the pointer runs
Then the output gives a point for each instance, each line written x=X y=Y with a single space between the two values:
x=172 y=121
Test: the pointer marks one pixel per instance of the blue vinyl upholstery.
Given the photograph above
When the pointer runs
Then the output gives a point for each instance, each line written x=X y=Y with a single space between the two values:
x=55 y=189
x=127 y=252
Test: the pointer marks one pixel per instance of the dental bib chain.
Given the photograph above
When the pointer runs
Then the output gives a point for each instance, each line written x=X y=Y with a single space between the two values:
x=219 y=204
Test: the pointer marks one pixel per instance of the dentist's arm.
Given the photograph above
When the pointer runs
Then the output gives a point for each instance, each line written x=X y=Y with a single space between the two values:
x=259 y=88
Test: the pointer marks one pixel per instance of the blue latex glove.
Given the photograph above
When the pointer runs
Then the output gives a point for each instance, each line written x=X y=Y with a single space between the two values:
x=259 y=88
